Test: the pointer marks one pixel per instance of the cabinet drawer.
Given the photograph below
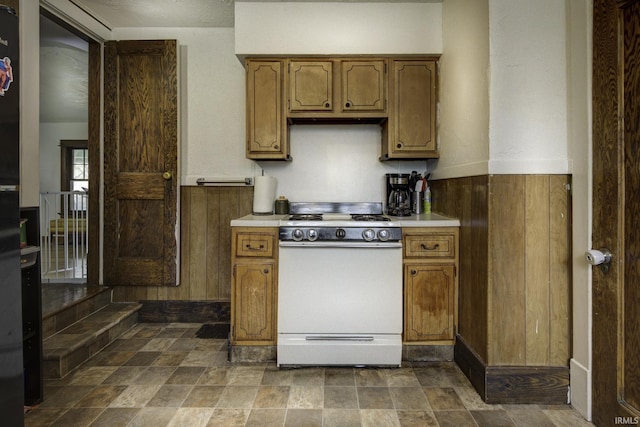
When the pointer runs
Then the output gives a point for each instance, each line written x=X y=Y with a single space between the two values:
x=255 y=244
x=430 y=246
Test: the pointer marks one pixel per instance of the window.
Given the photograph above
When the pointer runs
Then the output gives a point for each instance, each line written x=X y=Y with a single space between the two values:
x=74 y=172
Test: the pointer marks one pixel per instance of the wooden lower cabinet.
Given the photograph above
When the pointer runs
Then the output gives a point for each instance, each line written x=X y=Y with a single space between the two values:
x=254 y=303
x=430 y=285
x=254 y=286
x=429 y=302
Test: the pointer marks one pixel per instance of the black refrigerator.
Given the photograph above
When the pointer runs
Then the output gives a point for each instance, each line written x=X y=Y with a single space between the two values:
x=11 y=366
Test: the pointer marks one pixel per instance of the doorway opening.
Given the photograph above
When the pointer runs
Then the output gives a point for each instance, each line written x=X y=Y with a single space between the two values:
x=69 y=152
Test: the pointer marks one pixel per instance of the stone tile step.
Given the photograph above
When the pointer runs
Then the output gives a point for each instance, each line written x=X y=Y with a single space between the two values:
x=69 y=348
x=73 y=304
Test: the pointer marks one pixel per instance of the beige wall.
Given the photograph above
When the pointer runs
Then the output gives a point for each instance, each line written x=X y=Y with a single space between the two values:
x=29 y=103
x=464 y=90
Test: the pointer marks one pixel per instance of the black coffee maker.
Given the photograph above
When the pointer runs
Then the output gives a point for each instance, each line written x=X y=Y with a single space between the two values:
x=398 y=195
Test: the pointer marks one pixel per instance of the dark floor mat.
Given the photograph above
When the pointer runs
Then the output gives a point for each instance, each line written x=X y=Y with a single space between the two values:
x=214 y=331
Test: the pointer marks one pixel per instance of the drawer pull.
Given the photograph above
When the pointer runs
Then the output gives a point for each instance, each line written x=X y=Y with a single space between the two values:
x=251 y=248
x=429 y=248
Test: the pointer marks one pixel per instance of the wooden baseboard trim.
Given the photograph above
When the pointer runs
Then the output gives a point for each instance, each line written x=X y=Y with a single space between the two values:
x=185 y=311
x=513 y=384
x=471 y=365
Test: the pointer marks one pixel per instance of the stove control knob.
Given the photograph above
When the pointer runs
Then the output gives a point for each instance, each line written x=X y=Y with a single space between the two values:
x=368 y=234
x=297 y=234
x=312 y=235
x=384 y=235
x=341 y=233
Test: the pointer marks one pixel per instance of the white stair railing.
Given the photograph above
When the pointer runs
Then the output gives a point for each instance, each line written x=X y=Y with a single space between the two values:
x=64 y=229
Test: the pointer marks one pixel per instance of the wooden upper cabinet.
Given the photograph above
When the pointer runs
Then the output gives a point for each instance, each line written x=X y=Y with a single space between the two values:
x=338 y=88
x=266 y=124
x=363 y=86
x=399 y=93
x=411 y=129
x=310 y=86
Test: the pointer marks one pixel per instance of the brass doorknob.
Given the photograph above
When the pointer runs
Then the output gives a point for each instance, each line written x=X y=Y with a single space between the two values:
x=167 y=175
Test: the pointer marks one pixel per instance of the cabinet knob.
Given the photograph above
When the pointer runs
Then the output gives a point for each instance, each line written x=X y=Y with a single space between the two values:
x=413 y=272
x=348 y=104
x=399 y=145
x=167 y=176
x=327 y=105
x=266 y=271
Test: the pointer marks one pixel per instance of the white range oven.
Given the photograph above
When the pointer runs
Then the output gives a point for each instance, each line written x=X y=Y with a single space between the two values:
x=339 y=286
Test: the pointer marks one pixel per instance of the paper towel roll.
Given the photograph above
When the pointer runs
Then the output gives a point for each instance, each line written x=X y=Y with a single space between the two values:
x=264 y=195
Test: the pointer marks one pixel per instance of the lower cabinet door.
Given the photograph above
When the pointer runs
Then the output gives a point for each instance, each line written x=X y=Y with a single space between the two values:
x=429 y=302
x=253 y=304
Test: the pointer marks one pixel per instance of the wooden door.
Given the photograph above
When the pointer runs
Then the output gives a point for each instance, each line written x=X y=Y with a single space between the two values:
x=254 y=301
x=266 y=124
x=310 y=86
x=140 y=163
x=616 y=211
x=429 y=302
x=412 y=114
x=363 y=86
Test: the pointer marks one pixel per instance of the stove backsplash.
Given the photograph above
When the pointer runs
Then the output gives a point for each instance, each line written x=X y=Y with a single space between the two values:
x=335 y=163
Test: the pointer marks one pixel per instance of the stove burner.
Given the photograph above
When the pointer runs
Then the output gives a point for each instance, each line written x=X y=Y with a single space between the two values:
x=306 y=217
x=368 y=217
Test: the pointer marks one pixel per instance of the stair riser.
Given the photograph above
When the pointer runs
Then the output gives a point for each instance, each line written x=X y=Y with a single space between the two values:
x=57 y=366
x=56 y=322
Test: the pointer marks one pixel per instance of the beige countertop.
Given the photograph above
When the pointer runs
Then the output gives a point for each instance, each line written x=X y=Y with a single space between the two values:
x=258 y=221
x=422 y=220
x=426 y=220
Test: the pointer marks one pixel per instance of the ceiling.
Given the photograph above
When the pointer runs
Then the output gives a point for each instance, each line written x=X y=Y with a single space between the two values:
x=64 y=59
x=64 y=71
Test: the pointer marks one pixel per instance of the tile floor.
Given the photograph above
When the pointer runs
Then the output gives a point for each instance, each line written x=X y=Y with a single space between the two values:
x=162 y=375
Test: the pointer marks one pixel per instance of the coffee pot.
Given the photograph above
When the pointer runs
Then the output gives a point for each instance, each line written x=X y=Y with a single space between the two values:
x=398 y=199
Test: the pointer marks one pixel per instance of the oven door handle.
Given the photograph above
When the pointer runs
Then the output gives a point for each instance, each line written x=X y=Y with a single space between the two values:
x=341 y=245
x=339 y=338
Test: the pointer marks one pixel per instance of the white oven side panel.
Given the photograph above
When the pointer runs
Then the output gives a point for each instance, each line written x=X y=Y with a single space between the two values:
x=340 y=290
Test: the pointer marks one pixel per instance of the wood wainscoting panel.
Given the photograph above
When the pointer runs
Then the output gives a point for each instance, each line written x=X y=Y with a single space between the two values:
x=205 y=246
x=466 y=199
x=548 y=272
x=537 y=240
x=530 y=275
x=507 y=291
x=515 y=265
x=514 y=281
x=560 y=274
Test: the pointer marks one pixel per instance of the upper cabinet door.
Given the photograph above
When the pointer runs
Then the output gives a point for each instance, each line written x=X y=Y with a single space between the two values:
x=266 y=125
x=412 y=116
x=310 y=86
x=363 y=86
